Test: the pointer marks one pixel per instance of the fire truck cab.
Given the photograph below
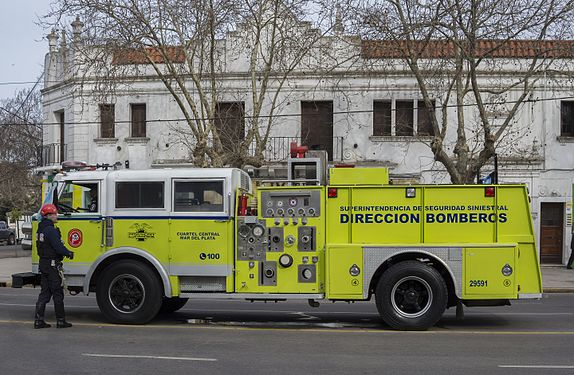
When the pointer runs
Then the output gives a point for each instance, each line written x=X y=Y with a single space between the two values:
x=147 y=241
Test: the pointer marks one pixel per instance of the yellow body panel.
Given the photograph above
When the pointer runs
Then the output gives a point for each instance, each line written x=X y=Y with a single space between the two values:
x=482 y=275
x=340 y=283
x=358 y=176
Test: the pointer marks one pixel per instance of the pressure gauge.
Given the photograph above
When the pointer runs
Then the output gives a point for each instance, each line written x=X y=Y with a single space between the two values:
x=258 y=231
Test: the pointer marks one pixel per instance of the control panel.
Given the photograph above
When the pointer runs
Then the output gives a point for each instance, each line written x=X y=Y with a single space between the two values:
x=279 y=251
x=289 y=204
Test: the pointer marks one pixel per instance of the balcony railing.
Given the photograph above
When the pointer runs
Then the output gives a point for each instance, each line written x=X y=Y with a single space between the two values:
x=53 y=153
x=278 y=148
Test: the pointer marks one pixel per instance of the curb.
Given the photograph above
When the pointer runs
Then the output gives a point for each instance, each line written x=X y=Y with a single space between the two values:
x=558 y=290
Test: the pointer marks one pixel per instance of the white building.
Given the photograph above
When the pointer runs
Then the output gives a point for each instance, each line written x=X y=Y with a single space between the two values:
x=369 y=115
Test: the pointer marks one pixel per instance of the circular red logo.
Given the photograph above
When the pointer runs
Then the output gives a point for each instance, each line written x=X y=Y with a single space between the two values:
x=75 y=237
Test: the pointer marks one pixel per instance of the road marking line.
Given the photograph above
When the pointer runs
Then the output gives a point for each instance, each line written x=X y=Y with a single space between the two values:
x=537 y=366
x=495 y=313
x=439 y=331
x=149 y=357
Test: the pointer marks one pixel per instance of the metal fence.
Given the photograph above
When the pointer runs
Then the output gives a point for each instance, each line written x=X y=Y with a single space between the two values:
x=278 y=148
x=53 y=153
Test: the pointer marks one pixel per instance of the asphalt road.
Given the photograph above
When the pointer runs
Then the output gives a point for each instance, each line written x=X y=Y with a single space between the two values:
x=224 y=337
x=12 y=251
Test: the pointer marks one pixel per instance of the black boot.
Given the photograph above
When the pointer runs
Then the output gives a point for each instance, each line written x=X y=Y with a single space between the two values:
x=63 y=324
x=39 y=323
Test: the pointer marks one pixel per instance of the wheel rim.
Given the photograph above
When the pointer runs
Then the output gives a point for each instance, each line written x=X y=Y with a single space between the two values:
x=126 y=293
x=411 y=297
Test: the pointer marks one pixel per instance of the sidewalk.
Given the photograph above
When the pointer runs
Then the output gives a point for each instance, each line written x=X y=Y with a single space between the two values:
x=555 y=279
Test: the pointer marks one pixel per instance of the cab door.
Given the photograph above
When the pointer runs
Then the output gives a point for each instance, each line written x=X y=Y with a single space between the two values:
x=201 y=235
x=80 y=222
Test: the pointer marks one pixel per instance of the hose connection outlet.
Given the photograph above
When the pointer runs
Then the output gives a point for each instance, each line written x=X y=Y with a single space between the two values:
x=507 y=270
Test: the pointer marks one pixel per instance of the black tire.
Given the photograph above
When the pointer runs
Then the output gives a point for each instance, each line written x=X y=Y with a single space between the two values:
x=411 y=296
x=170 y=305
x=11 y=240
x=129 y=292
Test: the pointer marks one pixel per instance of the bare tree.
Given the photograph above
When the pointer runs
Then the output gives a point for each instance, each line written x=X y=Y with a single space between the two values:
x=479 y=60
x=185 y=44
x=280 y=44
x=20 y=141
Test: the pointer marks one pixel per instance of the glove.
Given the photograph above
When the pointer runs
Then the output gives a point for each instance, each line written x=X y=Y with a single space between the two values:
x=71 y=255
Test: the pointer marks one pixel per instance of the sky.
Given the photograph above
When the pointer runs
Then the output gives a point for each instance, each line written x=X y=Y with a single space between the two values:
x=23 y=44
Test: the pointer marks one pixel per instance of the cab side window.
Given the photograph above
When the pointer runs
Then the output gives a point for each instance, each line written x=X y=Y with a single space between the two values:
x=78 y=197
x=198 y=196
x=144 y=194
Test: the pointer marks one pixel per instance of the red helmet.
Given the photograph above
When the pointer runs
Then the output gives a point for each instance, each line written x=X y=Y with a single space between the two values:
x=48 y=209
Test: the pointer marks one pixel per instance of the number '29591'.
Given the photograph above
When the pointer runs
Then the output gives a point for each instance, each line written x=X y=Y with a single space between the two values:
x=477 y=283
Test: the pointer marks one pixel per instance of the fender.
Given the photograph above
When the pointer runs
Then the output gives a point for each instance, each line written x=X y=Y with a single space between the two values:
x=439 y=254
x=135 y=251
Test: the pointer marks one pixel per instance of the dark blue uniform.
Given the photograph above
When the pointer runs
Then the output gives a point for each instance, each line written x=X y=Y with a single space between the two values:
x=51 y=251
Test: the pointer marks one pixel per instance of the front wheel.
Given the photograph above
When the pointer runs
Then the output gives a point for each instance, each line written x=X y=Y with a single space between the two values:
x=129 y=292
x=411 y=296
x=11 y=240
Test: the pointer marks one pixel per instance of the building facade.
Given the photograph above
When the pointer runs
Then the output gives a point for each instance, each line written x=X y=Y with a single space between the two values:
x=366 y=112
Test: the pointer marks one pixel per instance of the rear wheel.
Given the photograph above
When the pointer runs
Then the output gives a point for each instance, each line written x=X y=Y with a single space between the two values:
x=170 y=305
x=129 y=292
x=411 y=296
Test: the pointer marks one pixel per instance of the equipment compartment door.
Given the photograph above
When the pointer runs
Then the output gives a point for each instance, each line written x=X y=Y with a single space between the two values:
x=489 y=272
x=201 y=236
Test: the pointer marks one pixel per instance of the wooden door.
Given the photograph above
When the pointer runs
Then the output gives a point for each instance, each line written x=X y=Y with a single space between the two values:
x=317 y=126
x=551 y=233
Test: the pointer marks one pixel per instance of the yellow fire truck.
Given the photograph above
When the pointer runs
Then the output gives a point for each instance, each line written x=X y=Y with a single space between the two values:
x=146 y=241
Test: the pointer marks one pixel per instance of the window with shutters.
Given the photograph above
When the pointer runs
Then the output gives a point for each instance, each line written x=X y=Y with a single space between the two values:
x=230 y=124
x=567 y=119
x=138 y=123
x=402 y=118
x=382 y=117
x=107 y=120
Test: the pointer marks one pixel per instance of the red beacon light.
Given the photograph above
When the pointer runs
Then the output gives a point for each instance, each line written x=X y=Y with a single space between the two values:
x=489 y=191
x=332 y=192
x=69 y=165
x=297 y=151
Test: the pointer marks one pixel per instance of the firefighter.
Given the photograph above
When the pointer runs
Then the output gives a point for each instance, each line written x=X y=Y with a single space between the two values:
x=51 y=251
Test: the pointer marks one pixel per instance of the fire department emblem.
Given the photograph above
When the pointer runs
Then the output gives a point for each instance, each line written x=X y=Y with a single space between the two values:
x=75 y=238
x=141 y=232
